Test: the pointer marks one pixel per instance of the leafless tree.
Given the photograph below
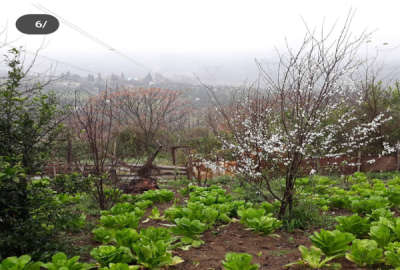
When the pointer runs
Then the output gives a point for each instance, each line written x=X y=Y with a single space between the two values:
x=150 y=111
x=94 y=118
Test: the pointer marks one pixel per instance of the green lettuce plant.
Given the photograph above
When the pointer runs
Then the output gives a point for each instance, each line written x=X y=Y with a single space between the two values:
x=154 y=234
x=381 y=234
x=314 y=258
x=59 y=261
x=125 y=220
x=103 y=235
x=19 y=263
x=365 y=253
x=126 y=237
x=155 y=214
x=111 y=254
x=239 y=261
x=154 y=255
x=120 y=266
x=392 y=254
x=144 y=204
x=190 y=230
x=158 y=195
x=354 y=224
x=250 y=213
x=332 y=243
x=265 y=224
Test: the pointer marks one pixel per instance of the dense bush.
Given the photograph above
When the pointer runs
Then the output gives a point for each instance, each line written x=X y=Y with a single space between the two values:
x=32 y=215
x=70 y=183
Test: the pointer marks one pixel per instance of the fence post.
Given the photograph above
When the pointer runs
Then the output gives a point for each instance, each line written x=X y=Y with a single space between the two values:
x=398 y=155
x=316 y=164
x=189 y=166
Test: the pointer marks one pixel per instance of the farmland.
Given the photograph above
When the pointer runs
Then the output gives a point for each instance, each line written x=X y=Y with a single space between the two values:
x=352 y=221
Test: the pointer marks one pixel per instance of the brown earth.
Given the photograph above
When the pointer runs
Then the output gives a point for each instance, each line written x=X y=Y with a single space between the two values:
x=269 y=252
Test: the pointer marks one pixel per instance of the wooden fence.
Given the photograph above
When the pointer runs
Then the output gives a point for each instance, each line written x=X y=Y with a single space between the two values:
x=125 y=171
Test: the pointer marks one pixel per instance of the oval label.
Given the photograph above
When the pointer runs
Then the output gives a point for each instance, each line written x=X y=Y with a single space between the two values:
x=37 y=24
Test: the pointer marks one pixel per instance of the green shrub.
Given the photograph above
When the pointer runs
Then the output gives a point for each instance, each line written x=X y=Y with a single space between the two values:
x=70 y=183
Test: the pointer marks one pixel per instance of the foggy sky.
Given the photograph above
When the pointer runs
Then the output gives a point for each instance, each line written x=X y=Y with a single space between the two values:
x=215 y=38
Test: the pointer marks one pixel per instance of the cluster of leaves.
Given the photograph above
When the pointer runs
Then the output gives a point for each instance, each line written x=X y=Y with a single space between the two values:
x=257 y=220
x=363 y=198
x=126 y=248
x=151 y=248
x=206 y=207
x=239 y=261
x=59 y=261
x=369 y=237
x=70 y=183
x=32 y=215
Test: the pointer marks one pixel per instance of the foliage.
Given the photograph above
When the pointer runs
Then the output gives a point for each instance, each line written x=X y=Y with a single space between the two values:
x=120 y=266
x=32 y=215
x=126 y=237
x=332 y=243
x=392 y=254
x=158 y=195
x=313 y=258
x=111 y=254
x=239 y=261
x=354 y=224
x=381 y=234
x=70 y=183
x=28 y=118
x=365 y=253
x=19 y=263
x=154 y=255
x=59 y=261
x=125 y=220
x=306 y=214
x=188 y=228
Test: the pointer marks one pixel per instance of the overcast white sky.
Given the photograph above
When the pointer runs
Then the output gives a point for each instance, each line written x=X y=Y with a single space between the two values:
x=195 y=27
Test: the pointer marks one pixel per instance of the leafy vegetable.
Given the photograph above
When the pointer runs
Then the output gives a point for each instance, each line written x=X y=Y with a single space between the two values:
x=354 y=224
x=103 y=235
x=392 y=254
x=313 y=258
x=126 y=237
x=332 y=243
x=110 y=254
x=250 y=213
x=19 y=263
x=187 y=227
x=125 y=220
x=155 y=214
x=239 y=261
x=365 y=253
x=154 y=255
x=381 y=234
x=264 y=224
x=59 y=261
x=120 y=266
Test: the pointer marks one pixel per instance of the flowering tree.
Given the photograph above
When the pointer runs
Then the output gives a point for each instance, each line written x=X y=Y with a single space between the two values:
x=304 y=110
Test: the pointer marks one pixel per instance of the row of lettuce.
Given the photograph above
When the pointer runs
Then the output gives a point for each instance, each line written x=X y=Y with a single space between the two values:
x=370 y=237
x=152 y=247
x=126 y=246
